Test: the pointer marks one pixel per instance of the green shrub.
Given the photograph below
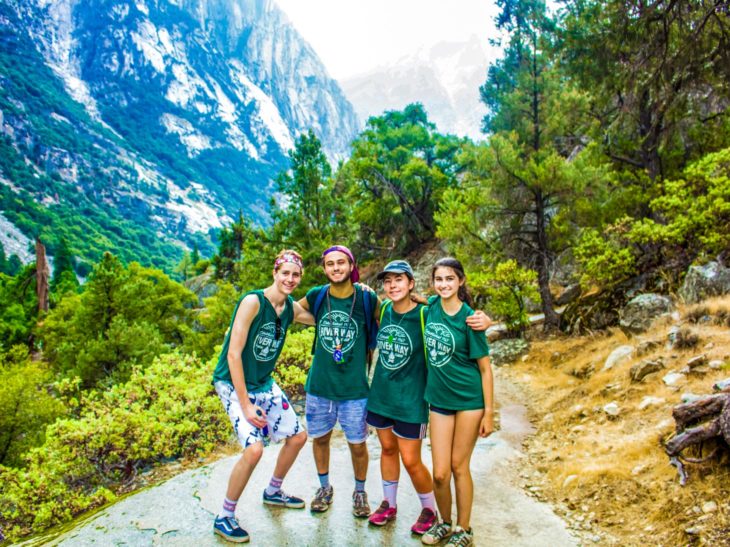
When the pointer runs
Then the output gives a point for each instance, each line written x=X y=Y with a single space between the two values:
x=167 y=410
x=607 y=258
x=294 y=361
x=26 y=405
x=507 y=287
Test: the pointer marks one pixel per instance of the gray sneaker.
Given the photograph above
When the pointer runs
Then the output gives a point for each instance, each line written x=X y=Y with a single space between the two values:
x=360 y=507
x=436 y=534
x=461 y=538
x=322 y=499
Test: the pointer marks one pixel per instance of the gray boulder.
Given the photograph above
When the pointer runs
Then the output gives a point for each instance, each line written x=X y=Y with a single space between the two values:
x=712 y=279
x=641 y=370
x=641 y=311
x=503 y=352
x=618 y=356
x=571 y=293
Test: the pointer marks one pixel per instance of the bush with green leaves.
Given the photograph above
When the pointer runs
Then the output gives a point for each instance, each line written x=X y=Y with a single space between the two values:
x=691 y=221
x=27 y=405
x=167 y=410
x=607 y=257
x=125 y=316
x=294 y=362
x=507 y=287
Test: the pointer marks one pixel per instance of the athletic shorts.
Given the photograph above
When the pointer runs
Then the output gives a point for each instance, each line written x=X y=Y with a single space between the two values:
x=444 y=411
x=323 y=414
x=280 y=416
x=404 y=430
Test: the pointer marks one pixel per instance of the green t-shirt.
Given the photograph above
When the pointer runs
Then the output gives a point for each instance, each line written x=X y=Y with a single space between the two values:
x=348 y=380
x=454 y=381
x=399 y=381
x=261 y=349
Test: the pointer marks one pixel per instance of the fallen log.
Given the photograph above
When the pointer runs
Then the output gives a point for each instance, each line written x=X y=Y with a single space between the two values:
x=699 y=421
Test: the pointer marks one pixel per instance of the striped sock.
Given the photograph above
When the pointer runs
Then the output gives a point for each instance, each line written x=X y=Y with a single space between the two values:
x=324 y=479
x=359 y=485
x=274 y=486
x=229 y=508
x=428 y=501
x=390 y=492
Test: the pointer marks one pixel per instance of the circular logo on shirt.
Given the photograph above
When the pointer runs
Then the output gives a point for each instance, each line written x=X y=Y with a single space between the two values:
x=394 y=346
x=265 y=344
x=336 y=328
x=439 y=344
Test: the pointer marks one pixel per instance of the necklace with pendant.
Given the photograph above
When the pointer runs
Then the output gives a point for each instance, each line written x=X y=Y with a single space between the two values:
x=337 y=354
x=390 y=316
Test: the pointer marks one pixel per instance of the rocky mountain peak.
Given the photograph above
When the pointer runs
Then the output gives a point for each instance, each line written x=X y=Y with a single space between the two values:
x=189 y=106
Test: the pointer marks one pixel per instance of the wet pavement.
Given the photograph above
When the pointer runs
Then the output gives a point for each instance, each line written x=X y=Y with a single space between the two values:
x=180 y=511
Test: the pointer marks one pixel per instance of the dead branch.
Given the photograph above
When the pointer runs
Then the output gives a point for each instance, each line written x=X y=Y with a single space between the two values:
x=711 y=419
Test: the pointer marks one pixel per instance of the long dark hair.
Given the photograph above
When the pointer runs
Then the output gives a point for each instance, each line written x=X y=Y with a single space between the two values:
x=450 y=262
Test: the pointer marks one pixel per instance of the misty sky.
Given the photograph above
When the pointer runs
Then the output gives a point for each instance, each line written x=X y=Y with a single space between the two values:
x=353 y=36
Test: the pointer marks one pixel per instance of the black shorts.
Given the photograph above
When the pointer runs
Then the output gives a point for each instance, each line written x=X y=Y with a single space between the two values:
x=444 y=411
x=404 y=430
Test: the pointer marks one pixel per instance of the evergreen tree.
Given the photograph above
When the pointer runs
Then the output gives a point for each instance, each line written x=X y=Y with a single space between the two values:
x=63 y=261
x=659 y=73
x=305 y=214
x=14 y=265
x=397 y=173
x=18 y=308
x=195 y=257
x=124 y=316
x=528 y=188
x=244 y=255
x=3 y=260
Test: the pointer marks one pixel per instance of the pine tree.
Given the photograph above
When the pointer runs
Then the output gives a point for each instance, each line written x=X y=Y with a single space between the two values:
x=63 y=261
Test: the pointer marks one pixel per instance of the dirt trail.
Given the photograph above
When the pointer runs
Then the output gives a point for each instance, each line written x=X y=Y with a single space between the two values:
x=180 y=510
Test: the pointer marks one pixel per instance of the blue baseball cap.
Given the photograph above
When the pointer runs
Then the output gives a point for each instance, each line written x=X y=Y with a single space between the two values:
x=396 y=267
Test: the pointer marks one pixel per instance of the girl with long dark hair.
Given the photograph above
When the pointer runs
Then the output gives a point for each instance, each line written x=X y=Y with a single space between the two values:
x=459 y=391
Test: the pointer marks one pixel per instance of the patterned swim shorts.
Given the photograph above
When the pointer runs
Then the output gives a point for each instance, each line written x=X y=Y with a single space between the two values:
x=280 y=416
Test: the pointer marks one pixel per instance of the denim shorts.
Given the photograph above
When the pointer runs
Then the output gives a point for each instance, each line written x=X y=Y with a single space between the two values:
x=323 y=414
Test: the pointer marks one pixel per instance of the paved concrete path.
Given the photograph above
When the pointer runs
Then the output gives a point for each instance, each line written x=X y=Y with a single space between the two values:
x=180 y=511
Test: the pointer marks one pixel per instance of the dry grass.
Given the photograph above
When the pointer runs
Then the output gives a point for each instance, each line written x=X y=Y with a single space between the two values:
x=613 y=470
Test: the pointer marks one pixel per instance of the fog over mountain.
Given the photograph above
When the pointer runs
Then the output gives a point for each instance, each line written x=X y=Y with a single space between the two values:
x=445 y=78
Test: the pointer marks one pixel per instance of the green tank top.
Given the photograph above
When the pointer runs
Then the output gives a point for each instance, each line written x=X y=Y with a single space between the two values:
x=262 y=348
x=399 y=381
x=345 y=381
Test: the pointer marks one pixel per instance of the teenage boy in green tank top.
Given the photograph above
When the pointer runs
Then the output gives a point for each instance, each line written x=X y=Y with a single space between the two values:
x=255 y=404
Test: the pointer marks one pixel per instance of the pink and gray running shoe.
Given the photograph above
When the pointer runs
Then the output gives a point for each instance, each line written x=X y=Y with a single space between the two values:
x=383 y=514
x=425 y=521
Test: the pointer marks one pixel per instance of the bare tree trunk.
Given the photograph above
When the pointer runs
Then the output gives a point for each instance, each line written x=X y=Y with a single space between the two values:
x=552 y=320
x=42 y=275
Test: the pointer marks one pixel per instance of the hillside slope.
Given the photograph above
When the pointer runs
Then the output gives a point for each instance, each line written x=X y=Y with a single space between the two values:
x=604 y=467
x=142 y=127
